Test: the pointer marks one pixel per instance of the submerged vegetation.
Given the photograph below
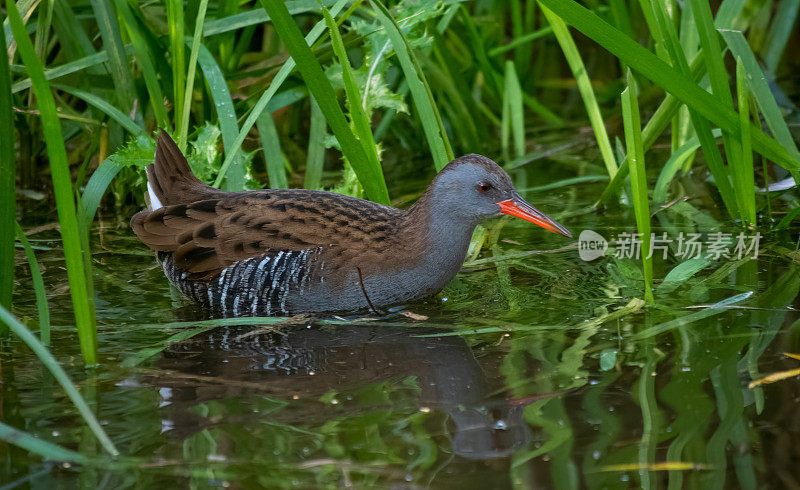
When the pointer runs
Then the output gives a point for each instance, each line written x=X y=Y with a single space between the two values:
x=691 y=109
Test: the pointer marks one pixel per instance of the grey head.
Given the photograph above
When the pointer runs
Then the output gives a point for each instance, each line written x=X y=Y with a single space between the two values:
x=474 y=188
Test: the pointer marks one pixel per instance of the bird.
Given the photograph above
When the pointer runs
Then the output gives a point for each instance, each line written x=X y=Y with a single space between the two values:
x=278 y=252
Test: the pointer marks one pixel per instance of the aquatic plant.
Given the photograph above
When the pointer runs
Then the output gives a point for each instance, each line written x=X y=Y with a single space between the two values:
x=349 y=96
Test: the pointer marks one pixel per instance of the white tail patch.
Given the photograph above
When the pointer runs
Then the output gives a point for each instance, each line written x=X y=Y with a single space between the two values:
x=154 y=202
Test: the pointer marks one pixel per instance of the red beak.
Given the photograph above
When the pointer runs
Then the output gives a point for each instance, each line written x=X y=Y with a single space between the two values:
x=521 y=209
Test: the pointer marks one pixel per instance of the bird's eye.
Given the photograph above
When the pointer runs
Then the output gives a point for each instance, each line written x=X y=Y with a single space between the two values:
x=484 y=186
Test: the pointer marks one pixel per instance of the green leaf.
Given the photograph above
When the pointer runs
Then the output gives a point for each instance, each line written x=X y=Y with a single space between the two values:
x=701 y=125
x=117 y=115
x=183 y=124
x=47 y=358
x=675 y=162
x=117 y=59
x=519 y=41
x=584 y=86
x=144 y=58
x=370 y=176
x=742 y=168
x=259 y=16
x=681 y=273
x=38 y=285
x=429 y=116
x=273 y=156
x=7 y=180
x=177 y=50
x=679 y=85
x=35 y=445
x=760 y=88
x=358 y=116
x=513 y=114
x=65 y=69
x=316 y=148
x=96 y=187
x=633 y=143
x=62 y=187
x=652 y=130
x=266 y=97
x=714 y=309
x=779 y=33
x=608 y=359
x=226 y=115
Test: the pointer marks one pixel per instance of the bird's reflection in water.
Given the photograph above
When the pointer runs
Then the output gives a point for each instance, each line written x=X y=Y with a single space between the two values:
x=299 y=362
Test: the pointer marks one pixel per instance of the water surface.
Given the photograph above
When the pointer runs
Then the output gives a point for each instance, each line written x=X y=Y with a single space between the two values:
x=539 y=370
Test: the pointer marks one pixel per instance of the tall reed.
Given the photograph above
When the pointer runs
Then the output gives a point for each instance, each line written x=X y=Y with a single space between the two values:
x=7 y=180
x=82 y=296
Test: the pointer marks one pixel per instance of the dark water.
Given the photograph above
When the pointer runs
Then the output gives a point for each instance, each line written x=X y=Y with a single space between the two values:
x=527 y=372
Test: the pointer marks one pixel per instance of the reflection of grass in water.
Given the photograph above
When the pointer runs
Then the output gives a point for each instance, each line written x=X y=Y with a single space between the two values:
x=467 y=82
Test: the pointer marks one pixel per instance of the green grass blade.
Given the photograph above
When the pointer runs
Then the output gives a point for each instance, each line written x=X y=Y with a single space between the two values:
x=273 y=156
x=266 y=97
x=742 y=172
x=62 y=187
x=259 y=16
x=701 y=125
x=519 y=41
x=93 y=192
x=316 y=148
x=641 y=207
x=679 y=85
x=718 y=76
x=358 y=116
x=540 y=109
x=650 y=19
x=235 y=22
x=43 y=24
x=513 y=113
x=465 y=125
x=72 y=37
x=584 y=85
x=430 y=119
x=681 y=273
x=183 y=125
x=117 y=115
x=476 y=41
x=653 y=129
x=25 y=8
x=319 y=86
x=779 y=33
x=565 y=183
x=763 y=95
x=57 y=371
x=117 y=60
x=517 y=29
x=622 y=20
x=7 y=180
x=675 y=162
x=68 y=68
x=177 y=50
x=38 y=285
x=144 y=58
x=226 y=115
x=714 y=309
x=728 y=13
x=32 y=444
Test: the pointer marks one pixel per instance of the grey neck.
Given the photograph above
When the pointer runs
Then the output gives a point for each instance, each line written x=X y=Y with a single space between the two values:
x=444 y=242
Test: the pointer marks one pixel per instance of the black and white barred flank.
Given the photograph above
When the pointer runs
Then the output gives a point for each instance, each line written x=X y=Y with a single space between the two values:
x=257 y=286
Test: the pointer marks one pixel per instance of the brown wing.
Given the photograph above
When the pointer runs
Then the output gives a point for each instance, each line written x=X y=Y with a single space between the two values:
x=207 y=236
